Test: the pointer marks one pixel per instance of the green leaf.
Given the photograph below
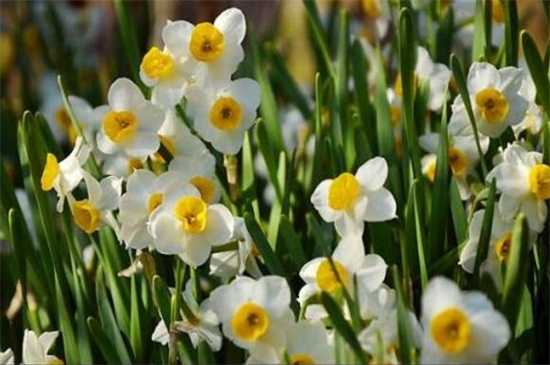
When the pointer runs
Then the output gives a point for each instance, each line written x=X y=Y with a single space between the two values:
x=511 y=41
x=406 y=342
x=481 y=43
x=319 y=34
x=341 y=326
x=206 y=356
x=485 y=235
x=292 y=242
x=263 y=245
x=420 y=237
x=537 y=69
x=104 y=342
x=460 y=221
x=137 y=319
x=161 y=296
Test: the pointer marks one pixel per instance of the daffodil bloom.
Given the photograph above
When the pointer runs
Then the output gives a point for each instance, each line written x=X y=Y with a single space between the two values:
x=200 y=172
x=254 y=312
x=144 y=194
x=213 y=51
x=222 y=116
x=348 y=261
x=6 y=357
x=131 y=123
x=177 y=139
x=202 y=327
x=165 y=70
x=35 y=349
x=524 y=182
x=103 y=197
x=460 y=327
x=306 y=343
x=65 y=176
x=349 y=200
x=188 y=226
x=495 y=97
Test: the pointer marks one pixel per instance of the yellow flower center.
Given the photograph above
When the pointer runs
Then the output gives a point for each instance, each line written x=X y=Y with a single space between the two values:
x=343 y=191
x=395 y=115
x=191 y=211
x=502 y=246
x=497 y=11
x=50 y=173
x=371 y=8
x=493 y=105
x=207 y=42
x=326 y=278
x=250 y=322
x=226 y=114
x=450 y=330
x=458 y=161
x=62 y=118
x=539 y=181
x=134 y=164
x=154 y=201
x=205 y=187
x=301 y=359
x=157 y=64
x=120 y=126
x=86 y=216
x=430 y=172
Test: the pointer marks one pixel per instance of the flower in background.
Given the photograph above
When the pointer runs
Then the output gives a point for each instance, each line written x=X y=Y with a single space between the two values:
x=131 y=123
x=254 y=312
x=35 y=349
x=460 y=328
x=103 y=197
x=199 y=171
x=349 y=200
x=187 y=226
x=222 y=116
x=64 y=176
x=524 y=182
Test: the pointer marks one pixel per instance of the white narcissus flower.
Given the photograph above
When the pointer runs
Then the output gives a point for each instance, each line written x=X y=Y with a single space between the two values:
x=199 y=171
x=164 y=70
x=254 y=312
x=131 y=122
x=460 y=328
x=144 y=194
x=187 y=226
x=349 y=261
x=213 y=51
x=495 y=97
x=6 y=357
x=222 y=116
x=65 y=176
x=524 y=182
x=103 y=197
x=349 y=200
x=35 y=349
x=306 y=343
x=176 y=137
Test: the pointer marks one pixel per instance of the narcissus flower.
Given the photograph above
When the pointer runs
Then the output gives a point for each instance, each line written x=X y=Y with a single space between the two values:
x=349 y=200
x=131 y=123
x=103 y=197
x=187 y=226
x=200 y=172
x=177 y=139
x=254 y=312
x=35 y=348
x=460 y=328
x=64 y=176
x=524 y=182
x=222 y=116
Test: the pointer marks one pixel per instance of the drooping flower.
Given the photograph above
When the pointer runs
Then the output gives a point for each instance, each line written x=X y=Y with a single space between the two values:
x=131 y=123
x=524 y=182
x=254 y=312
x=460 y=327
x=35 y=349
x=222 y=116
x=65 y=176
x=349 y=200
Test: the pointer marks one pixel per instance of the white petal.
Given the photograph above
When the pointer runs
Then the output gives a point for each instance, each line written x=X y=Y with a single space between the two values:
x=33 y=353
x=319 y=199
x=429 y=142
x=142 y=144
x=536 y=212
x=381 y=206
x=47 y=339
x=511 y=179
x=439 y=293
x=232 y=24
x=160 y=334
x=124 y=95
x=372 y=272
x=247 y=91
x=219 y=225
x=196 y=251
x=508 y=206
x=273 y=294
x=373 y=173
x=482 y=75
x=168 y=235
x=176 y=36
x=226 y=299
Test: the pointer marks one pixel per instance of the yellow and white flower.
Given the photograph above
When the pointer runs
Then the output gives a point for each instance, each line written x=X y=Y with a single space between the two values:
x=131 y=123
x=187 y=226
x=35 y=348
x=165 y=70
x=144 y=194
x=199 y=171
x=65 y=176
x=177 y=139
x=349 y=261
x=460 y=328
x=103 y=197
x=349 y=200
x=120 y=164
x=495 y=97
x=254 y=312
x=306 y=343
x=222 y=116
x=524 y=182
